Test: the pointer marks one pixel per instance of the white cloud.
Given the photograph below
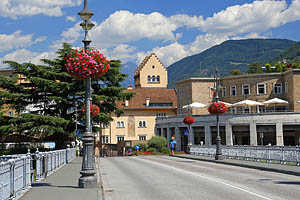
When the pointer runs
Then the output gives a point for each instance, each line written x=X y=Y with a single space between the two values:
x=23 y=56
x=17 y=8
x=71 y=18
x=17 y=40
x=124 y=26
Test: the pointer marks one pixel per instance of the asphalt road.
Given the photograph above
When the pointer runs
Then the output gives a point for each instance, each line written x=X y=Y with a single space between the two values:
x=164 y=178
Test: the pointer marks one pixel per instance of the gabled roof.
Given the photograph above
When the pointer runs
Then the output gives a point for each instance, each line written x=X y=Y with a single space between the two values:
x=145 y=61
x=156 y=95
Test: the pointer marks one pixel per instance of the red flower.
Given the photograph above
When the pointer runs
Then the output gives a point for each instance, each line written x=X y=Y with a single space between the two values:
x=84 y=63
x=94 y=109
x=188 y=120
x=217 y=108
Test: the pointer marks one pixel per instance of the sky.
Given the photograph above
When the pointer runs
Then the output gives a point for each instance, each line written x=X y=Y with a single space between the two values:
x=129 y=30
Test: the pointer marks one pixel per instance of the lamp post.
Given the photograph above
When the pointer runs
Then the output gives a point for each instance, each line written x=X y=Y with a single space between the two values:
x=88 y=178
x=218 y=155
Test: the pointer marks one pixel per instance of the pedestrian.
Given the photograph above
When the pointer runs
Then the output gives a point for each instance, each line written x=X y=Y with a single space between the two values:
x=172 y=146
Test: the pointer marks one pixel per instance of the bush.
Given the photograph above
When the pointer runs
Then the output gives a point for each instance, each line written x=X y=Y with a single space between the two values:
x=165 y=150
x=151 y=149
x=157 y=142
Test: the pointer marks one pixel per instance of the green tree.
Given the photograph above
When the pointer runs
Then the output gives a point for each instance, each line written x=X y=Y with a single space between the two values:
x=235 y=72
x=157 y=142
x=54 y=95
x=255 y=67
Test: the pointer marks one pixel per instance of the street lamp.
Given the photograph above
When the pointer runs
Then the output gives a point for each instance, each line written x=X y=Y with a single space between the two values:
x=88 y=178
x=218 y=155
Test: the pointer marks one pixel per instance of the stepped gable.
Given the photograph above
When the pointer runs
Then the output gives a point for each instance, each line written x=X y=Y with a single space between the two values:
x=144 y=62
x=156 y=95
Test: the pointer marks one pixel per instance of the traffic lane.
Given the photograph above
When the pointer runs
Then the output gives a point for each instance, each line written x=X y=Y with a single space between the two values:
x=270 y=184
x=143 y=178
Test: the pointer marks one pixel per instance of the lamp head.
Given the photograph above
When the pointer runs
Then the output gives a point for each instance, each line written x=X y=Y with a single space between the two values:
x=85 y=14
x=87 y=25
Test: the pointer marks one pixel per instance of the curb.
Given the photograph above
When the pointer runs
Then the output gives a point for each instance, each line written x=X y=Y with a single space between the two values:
x=242 y=165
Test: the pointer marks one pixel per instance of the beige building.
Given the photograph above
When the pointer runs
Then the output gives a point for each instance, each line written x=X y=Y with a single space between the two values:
x=151 y=100
x=246 y=125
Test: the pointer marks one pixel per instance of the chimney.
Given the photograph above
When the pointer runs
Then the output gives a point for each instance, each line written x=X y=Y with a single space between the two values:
x=130 y=87
x=126 y=103
x=147 y=101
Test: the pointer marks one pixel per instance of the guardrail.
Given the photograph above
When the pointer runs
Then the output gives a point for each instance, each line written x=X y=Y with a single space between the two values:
x=257 y=153
x=18 y=171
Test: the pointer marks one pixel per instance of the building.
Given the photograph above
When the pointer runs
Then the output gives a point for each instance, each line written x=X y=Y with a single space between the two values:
x=151 y=100
x=245 y=125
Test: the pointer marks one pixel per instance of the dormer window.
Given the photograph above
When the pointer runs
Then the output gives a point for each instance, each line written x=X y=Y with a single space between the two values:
x=153 y=67
x=149 y=78
x=158 y=78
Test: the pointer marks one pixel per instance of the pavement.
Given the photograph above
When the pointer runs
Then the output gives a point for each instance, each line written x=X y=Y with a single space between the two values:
x=63 y=184
x=279 y=168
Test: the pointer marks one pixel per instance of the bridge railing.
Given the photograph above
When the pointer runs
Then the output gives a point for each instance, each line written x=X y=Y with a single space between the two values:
x=279 y=154
x=18 y=171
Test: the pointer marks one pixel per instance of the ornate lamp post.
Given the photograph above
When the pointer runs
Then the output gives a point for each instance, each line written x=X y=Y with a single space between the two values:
x=218 y=155
x=88 y=178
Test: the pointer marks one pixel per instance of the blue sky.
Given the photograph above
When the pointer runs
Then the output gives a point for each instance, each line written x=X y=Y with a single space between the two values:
x=129 y=30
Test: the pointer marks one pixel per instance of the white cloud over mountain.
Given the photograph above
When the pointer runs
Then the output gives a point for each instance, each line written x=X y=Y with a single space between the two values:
x=18 y=8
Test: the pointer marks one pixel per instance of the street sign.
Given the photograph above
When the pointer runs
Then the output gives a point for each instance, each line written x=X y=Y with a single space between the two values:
x=186 y=132
x=137 y=147
x=78 y=133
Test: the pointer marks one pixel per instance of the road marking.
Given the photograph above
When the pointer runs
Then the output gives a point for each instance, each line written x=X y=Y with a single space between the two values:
x=208 y=178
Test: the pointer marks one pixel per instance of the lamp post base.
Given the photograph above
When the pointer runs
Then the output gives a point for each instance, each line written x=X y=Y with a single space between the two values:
x=87 y=179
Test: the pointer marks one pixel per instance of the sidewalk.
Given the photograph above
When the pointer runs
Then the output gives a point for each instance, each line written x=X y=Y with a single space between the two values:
x=285 y=169
x=63 y=184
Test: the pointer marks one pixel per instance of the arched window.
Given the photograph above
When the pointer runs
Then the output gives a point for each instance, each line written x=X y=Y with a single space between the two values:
x=122 y=124
x=158 y=78
x=153 y=78
x=149 y=78
x=118 y=125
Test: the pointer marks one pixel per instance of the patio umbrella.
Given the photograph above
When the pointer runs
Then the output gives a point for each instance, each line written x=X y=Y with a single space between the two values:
x=248 y=103
x=195 y=105
x=227 y=104
x=275 y=101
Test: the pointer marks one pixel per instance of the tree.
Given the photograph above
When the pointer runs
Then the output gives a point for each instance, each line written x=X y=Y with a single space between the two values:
x=157 y=142
x=235 y=72
x=255 y=68
x=53 y=96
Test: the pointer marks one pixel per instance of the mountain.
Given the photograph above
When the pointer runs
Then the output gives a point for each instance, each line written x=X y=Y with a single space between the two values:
x=231 y=54
x=128 y=68
x=292 y=54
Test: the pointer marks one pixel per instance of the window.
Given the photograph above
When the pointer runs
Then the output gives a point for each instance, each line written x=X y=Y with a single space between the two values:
x=160 y=115
x=223 y=92
x=160 y=104
x=211 y=92
x=153 y=78
x=233 y=110
x=120 y=138
x=120 y=124
x=104 y=139
x=261 y=88
x=11 y=114
x=246 y=89
x=142 y=124
x=153 y=66
x=246 y=109
x=149 y=78
x=286 y=87
x=180 y=95
x=142 y=137
x=158 y=78
x=232 y=90
x=277 y=88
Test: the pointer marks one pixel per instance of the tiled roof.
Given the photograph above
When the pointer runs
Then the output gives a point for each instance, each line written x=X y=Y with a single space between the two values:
x=156 y=95
x=143 y=63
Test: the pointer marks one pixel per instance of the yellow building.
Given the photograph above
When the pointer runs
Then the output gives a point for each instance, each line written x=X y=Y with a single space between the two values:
x=152 y=100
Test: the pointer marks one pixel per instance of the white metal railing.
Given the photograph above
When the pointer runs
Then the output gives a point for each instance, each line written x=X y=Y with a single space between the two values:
x=267 y=153
x=17 y=171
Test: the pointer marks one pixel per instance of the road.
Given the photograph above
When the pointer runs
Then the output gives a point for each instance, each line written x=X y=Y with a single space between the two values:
x=170 y=178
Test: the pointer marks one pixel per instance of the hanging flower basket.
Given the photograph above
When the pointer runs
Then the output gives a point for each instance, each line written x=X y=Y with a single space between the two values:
x=94 y=109
x=84 y=63
x=188 y=120
x=217 y=108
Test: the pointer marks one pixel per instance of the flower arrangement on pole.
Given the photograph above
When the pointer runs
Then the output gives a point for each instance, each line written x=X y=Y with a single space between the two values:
x=217 y=108
x=94 y=109
x=82 y=63
x=189 y=120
